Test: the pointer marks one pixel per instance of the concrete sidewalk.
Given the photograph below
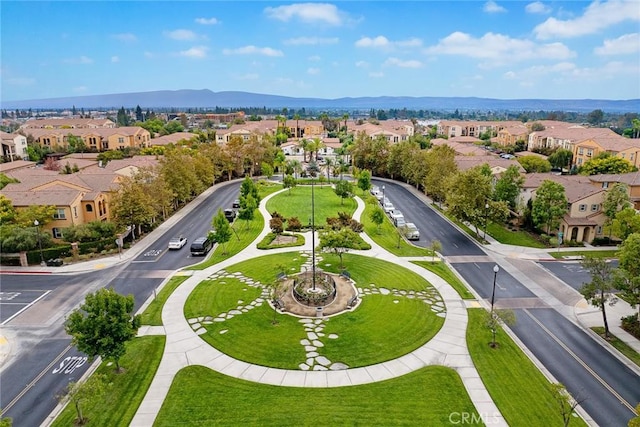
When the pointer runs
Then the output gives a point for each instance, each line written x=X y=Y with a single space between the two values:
x=184 y=347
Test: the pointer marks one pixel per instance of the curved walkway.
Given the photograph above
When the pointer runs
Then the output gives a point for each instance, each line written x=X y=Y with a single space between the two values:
x=185 y=348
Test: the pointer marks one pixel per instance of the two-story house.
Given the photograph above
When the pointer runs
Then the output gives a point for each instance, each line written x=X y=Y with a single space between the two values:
x=14 y=146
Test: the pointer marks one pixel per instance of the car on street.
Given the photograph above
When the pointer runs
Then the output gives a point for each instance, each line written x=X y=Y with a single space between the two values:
x=395 y=216
x=411 y=232
x=177 y=242
x=201 y=246
x=236 y=204
x=230 y=214
x=388 y=208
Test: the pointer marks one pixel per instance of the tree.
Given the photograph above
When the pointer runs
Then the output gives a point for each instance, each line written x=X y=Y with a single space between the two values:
x=561 y=158
x=508 y=187
x=435 y=247
x=566 y=404
x=343 y=189
x=7 y=211
x=223 y=229
x=132 y=205
x=615 y=200
x=289 y=182
x=123 y=117
x=627 y=277
x=595 y=117
x=440 y=166
x=103 y=325
x=364 y=180
x=247 y=210
x=599 y=291
x=494 y=319
x=248 y=187
x=606 y=164
x=339 y=241
x=626 y=222
x=549 y=205
x=377 y=216
x=534 y=164
x=79 y=392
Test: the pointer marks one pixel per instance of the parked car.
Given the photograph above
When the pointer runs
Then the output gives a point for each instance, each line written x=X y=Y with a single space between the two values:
x=236 y=204
x=411 y=232
x=201 y=246
x=177 y=242
x=230 y=214
x=400 y=222
x=395 y=215
x=388 y=207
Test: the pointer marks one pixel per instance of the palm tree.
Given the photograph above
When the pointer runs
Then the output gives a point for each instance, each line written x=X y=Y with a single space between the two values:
x=296 y=117
x=345 y=116
x=330 y=162
x=296 y=166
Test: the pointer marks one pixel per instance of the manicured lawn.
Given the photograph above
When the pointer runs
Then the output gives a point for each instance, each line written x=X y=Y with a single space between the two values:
x=509 y=237
x=120 y=403
x=594 y=254
x=518 y=388
x=431 y=396
x=388 y=235
x=621 y=346
x=153 y=314
x=298 y=203
x=383 y=327
x=443 y=271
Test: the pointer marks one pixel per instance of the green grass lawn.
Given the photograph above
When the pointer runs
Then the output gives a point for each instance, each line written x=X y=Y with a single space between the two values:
x=383 y=327
x=153 y=313
x=621 y=346
x=509 y=237
x=431 y=396
x=518 y=388
x=594 y=254
x=388 y=235
x=120 y=403
x=441 y=269
x=298 y=203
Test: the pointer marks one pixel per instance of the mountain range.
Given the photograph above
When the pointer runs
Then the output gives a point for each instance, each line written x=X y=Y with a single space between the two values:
x=204 y=98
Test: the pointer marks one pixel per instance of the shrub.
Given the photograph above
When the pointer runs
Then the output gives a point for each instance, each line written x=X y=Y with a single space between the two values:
x=631 y=325
x=294 y=224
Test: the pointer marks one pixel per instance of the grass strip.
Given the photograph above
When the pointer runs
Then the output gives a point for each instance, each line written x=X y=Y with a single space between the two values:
x=513 y=237
x=120 y=403
x=387 y=235
x=430 y=396
x=518 y=388
x=594 y=254
x=445 y=272
x=153 y=313
x=619 y=345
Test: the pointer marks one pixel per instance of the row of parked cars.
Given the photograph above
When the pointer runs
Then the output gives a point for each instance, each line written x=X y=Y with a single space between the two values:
x=409 y=229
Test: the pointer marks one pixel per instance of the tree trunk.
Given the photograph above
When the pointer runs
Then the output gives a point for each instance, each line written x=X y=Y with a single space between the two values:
x=604 y=314
x=79 y=412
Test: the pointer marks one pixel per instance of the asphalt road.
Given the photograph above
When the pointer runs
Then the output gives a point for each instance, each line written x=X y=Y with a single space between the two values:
x=32 y=379
x=571 y=272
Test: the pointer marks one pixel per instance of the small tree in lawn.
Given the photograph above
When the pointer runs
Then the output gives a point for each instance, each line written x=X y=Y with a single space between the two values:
x=223 y=229
x=364 y=180
x=436 y=246
x=247 y=210
x=275 y=290
x=599 y=291
x=339 y=241
x=289 y=182
x=495 y=319
x=276 y=223
x=294 y=224
x=627 y=277
x=377 y=216
x=549 y=205
x=103 y=324
x=343 y=189
x=80 y=392
x=566 y=404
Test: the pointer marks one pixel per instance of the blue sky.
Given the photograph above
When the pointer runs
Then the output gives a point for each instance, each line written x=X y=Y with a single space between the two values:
x=494 y=49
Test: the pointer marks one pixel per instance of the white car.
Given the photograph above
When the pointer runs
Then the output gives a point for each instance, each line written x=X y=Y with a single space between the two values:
x=388 y=207
x=411 y=232
x=177 y=242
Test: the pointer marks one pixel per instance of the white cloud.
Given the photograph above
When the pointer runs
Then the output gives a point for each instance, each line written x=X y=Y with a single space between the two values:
x=493 y=7
x=125 y=37
x=362 y=64
x=381 y=42
x=80 y=60
x=115 y=59
x=569 y=72
x=314 y=58
x=79 y=89
x=498 y=48
x=195 y=52
x=298 y=41
x=411 y=63
x=21 y=81
x=148 y=54
x=180 y=35
x=207 y=21
x=537 y=7
x=307 y=12
x=253 y=50
x=313 y=70
x=596 y=17
x=376 y=74
x=628 y=43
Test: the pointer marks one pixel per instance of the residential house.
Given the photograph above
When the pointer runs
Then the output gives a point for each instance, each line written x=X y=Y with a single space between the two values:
x=174 y=138
x=461 y=149
x=452 y=128
x=631 y=179
x=611 y=143
x=497 y=164
x=510 y=135
x=68 y=123
x=95 y=139
x=14 y=146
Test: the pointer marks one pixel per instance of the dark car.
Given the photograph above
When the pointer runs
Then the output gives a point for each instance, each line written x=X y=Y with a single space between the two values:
x=236 y=204
x=230 y=214
x=201 y=246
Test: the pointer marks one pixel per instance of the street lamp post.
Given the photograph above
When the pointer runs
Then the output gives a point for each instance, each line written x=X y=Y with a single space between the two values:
x=493 y=292
x=486 y=215
x=37 y=225
x=383 y=194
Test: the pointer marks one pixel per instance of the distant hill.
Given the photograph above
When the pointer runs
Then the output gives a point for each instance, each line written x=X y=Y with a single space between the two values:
x=205 y=98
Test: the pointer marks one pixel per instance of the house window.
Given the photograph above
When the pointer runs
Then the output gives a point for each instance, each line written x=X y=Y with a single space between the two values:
x=582 y=208
x=580 y=150
x=88 y=207
x=605 y=185
x=105 y=145
x=594 y=208
x=75 y=212
x=599 y=229
x=589 y=153
x=59 y=214
x=120 y=140
x=56 y=233
x=631 y=157
x=579 y=162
